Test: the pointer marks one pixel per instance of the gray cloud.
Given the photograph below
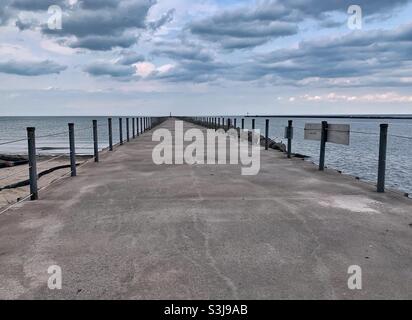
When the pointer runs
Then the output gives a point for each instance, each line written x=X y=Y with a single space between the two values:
x=4 y=13
x=370 y=58
x=330 y=23
x=178 y=50
x=30 y=68
x=192 y=62
x=108 y=69
x=193 y=71
x=122 y=69
x=104 y=25
x=24 y=25
x=35 y=5
x=103 y=43
x=240 y=29
x=317 y=8
x=107 y=24
x=250 y=27
x=365 y=54
x=129 y=58
x=164 y=19
x=231 y=43
x=104 y=22
x=98 y=4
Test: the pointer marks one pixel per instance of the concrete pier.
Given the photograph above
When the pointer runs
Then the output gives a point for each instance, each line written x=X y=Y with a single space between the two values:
x=125 y=228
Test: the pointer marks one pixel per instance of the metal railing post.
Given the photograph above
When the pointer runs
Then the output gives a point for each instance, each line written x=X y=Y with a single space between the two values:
x=323 y=139
x=127 y=130
x=290 y=130
x=235 y=123
x=383 y=143
x=141 y=125
x=133 y=128
x=121 y=130
x=253 y=124
x=110 y=127
x=137 y=126
x=267 y=135
x=72 y=150
x=95 y=142
x=243 y=124
x=31 y=138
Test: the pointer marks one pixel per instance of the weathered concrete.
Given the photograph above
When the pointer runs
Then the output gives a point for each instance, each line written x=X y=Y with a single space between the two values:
x=128 y=229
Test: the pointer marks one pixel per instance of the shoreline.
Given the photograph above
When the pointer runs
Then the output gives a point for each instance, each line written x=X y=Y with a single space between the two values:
x=14 y=178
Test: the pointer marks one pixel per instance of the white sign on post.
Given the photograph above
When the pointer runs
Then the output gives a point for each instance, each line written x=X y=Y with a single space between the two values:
x=337 y=133
x=313 y=131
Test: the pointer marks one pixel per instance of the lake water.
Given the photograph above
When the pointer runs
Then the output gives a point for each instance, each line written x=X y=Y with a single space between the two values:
x=360 y=158
x=14 y=128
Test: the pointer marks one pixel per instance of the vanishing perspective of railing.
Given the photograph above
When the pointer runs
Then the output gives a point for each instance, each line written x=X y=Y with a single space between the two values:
x=58 y=167
x=322 y=132
x=33 y=168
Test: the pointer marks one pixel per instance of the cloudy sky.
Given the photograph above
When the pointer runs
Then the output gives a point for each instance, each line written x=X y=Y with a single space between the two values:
x=135 y=57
